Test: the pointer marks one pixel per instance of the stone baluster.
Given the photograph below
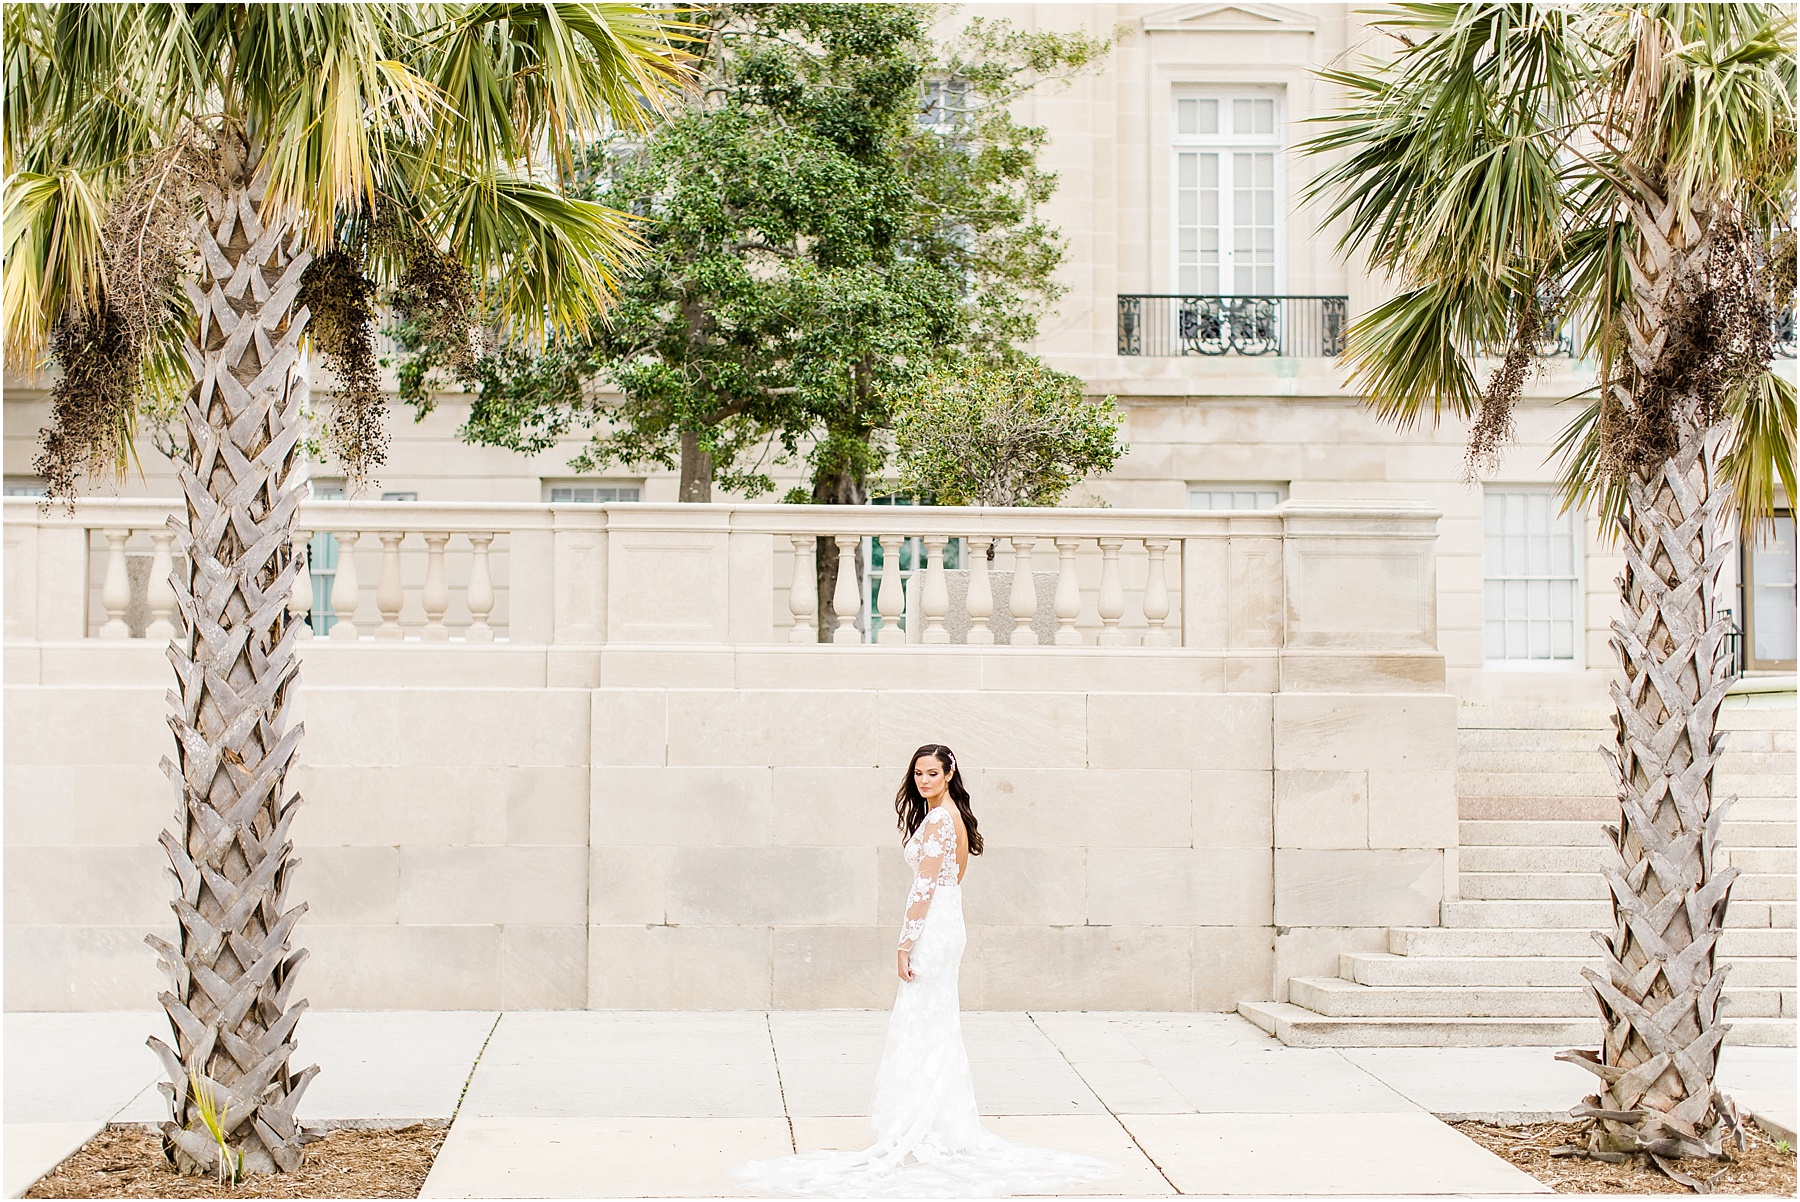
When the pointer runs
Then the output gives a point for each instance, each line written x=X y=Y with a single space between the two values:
x=1112 y=594
x=300 y=600
x=115 y=591
x=1156 y=594
x=846 y=598
x=1024 y=593
x=346 y=590
x=889 y=602
x=437 y=590
x=1068 y=593
x=161 y=595
x=936 y=599
x=915 y=588
x=390 y=596
x=481 y=591
x=803 y=589
x=981 y=589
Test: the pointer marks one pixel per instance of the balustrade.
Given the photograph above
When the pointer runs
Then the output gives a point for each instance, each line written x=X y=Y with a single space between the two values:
x=1330 y=578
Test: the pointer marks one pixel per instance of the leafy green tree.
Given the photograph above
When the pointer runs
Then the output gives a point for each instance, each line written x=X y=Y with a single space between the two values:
x=304 y=154
x=1016 y=433
x=1630 y=168
x=843 y=203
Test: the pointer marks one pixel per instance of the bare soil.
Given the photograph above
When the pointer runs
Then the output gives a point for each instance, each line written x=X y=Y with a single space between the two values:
x=350 y=1162
x=1760 y=1168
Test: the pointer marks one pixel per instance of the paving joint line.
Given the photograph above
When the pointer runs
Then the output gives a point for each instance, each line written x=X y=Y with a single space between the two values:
x=780 y=1086
x=468 y=1080
x=1137 y=1143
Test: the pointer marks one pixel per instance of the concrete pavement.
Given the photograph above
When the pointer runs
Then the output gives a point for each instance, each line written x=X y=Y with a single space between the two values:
x=661 y=1104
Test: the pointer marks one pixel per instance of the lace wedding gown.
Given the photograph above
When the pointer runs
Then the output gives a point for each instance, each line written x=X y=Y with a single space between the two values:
x=929 y=1141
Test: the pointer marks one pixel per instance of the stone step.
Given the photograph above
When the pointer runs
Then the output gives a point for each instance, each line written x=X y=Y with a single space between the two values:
x=1586 y=763
x=1511 y=807
x=1339 y=998
x=1510 y=739
x=1593 y=783
x=1762 y=860
x=1476 y=832
x=1567 y=941
x=1534 y=717
x=1300 y=1027
x=1588 y=858
x=1583 y=915
x=1590 y=886
x=1532 y=886
x=1387 y=969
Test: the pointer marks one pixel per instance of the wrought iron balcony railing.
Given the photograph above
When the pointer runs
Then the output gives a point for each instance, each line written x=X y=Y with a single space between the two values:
x=1297 y=327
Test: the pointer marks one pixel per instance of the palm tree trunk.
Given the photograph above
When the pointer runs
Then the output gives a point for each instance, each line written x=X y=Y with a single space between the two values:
x=231 y=973
x=1659 y=993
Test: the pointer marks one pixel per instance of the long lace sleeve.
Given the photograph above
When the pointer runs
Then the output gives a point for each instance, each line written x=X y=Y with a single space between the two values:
x=938 y=840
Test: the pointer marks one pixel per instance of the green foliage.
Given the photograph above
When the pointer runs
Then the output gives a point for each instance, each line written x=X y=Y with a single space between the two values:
x=814 y=239
x=1500 y=164
x=1002 y=433
x=397 y=138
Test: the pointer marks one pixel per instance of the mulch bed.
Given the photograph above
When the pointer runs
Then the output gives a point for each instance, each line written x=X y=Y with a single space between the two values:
x=350 y=1162
x=1759 y=1169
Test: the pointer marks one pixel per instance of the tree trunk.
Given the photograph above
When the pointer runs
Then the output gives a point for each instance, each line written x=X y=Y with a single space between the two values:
x=838 y=487
x=696 y=469
x=1659 y=996
x=231 y=973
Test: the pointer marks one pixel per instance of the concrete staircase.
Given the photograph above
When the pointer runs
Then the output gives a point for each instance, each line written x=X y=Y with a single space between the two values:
x=1504 y=966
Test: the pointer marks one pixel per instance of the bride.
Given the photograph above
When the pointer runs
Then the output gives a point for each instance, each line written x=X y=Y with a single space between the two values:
x=929 y=1141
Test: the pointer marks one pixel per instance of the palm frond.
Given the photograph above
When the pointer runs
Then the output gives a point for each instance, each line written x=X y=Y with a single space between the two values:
x=1409 y=356
x=1762 y=448
x=55 y=255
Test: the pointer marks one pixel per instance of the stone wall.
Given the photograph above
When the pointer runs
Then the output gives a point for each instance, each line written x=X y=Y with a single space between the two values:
x=473 y=844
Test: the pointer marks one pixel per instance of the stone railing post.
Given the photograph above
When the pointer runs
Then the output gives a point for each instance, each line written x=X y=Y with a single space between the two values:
x=390 y=596
x=936 y=598
x=981 y=590
x=889 y=602
x=1068 y=593
x=115 y=593
x=1112 y=594
x=436 y=595
x=481 y=591
x=846 y=598
x=803 y=589
x=161 y=594
x=346 y=590
x=1024 y=593
x=1156 y=593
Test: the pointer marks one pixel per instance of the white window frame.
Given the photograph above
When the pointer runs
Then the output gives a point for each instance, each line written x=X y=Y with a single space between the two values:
x=1748 y=546
x=1272 y=491
x=1224 y=145
x=551 y=488
x=1578 y=555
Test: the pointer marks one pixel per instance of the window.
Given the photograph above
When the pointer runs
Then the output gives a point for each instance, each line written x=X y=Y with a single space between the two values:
x=946 y=101
x=400 y=496
x=1769 y=596
x=322 y=561
x=1235 y=496
x=594 y=494
x=1532 y=585
x=1226 y=240
x=25 y=486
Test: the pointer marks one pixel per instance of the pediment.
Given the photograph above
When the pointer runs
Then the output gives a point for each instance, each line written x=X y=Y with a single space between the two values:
x=1231 y=18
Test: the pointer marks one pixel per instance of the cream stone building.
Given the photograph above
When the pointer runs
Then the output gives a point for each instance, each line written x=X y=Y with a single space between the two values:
x=1297 y=703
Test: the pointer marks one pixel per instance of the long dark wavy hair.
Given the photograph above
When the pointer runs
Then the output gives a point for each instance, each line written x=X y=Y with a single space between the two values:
x=910 y=804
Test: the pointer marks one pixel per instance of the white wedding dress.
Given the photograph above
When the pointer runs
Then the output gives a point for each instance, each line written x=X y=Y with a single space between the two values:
x=929 y=1141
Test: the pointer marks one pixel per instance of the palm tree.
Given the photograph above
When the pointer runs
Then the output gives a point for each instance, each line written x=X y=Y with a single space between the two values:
x=1628 y=168
x=195 y=193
